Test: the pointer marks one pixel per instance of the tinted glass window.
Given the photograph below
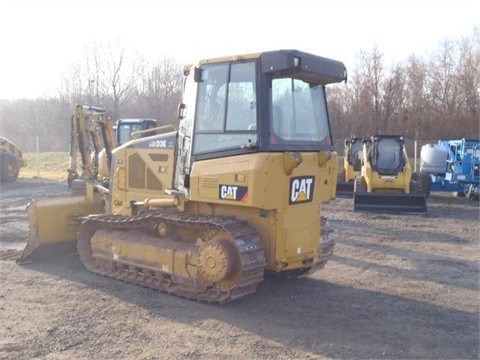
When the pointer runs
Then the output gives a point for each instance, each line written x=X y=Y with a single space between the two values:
x=298 y=111
x=226 y=115
x=389 y=157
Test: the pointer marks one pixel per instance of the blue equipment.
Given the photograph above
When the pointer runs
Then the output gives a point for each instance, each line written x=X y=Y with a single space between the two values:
x=453 y=165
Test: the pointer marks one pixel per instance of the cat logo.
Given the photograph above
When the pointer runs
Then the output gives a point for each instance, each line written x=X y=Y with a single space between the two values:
x=301 y=189
x=233 y=192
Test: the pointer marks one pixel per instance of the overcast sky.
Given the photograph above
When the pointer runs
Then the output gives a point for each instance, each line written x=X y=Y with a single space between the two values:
x=40 y=39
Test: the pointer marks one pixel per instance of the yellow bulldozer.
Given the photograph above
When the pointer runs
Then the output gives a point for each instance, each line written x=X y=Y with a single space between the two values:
x=11 y=160
x=206 y=211
x=386 y=182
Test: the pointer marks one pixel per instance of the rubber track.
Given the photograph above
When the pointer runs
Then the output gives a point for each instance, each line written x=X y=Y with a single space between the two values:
x=251 y=251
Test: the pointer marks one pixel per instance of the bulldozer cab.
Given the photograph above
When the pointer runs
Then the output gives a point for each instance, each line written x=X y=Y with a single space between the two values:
x=268 y=102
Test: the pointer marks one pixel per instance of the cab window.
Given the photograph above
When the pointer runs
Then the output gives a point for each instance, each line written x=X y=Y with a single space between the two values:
x=298 y=111
x=226 y=116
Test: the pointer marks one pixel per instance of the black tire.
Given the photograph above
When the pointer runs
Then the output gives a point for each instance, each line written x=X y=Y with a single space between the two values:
x=424 y=183
x=416 y=187
x=426 y=180
x=474 y=197
x=9 y=167
x=360 y=185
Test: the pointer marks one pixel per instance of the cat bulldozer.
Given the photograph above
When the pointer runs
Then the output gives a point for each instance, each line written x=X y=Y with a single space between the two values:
x=352 y=165
x=386 y=183
x=11 y=160
x=205 y=211
x=93 y=136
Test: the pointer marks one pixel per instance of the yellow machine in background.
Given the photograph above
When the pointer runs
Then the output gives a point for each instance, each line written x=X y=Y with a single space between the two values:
x=204 y=212
x=386 y=183
x=11 y=160
x=93 y=136
x=352 y=166
x=92 y=139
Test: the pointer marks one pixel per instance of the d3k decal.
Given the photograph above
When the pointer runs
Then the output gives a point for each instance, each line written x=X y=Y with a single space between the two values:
x=233 y=192
x=301 y=189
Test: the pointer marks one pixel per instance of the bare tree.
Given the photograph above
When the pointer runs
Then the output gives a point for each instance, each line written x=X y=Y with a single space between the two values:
x=114 y=74
x=436 y=97
x=469 y=74
x=416 y=97
x=443 y=80
x=159 y=90
x=393 y=101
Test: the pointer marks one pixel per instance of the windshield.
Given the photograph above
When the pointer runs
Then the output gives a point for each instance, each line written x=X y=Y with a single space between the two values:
x=389 y=156
x=226 y=115
x=299 y=112
x=125 y=130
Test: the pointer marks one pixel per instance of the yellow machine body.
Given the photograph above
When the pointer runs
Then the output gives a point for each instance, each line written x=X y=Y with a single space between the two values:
x=386 y=183
x=56 y=221
x=243 y=187
x=376 y=182
x=204 y=212
x=352 y=166
x=11 y=160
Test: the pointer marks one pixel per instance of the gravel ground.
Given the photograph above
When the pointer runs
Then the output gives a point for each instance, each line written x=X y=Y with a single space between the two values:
x=397 y=287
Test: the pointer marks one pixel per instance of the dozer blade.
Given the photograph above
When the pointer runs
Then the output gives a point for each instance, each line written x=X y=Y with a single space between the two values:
x=344 y=189
x=54 y=222
x=389 y=203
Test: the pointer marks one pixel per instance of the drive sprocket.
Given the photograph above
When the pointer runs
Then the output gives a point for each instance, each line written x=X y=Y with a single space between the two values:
x=217 y=260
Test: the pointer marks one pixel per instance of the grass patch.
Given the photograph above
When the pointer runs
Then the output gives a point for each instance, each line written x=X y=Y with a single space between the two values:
x=46 y=165
x=54 y=165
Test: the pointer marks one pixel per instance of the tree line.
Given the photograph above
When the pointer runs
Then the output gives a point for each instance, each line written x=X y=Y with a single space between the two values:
x=421 y=98
x=123 y=83
x=430 y=97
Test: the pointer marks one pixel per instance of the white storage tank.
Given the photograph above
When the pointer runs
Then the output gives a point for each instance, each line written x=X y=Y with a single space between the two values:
x=433 y=159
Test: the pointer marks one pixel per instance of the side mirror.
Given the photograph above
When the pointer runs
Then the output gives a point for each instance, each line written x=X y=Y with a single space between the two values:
x=182 y=111
x=197 y=74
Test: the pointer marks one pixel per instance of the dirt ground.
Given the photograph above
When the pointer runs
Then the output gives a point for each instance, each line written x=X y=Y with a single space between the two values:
x=397 y=287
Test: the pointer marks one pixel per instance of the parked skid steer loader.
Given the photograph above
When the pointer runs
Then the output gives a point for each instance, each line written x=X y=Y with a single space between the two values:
x=386 y=183
x=11 y=160
x=352 y=165
x=204 y=212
